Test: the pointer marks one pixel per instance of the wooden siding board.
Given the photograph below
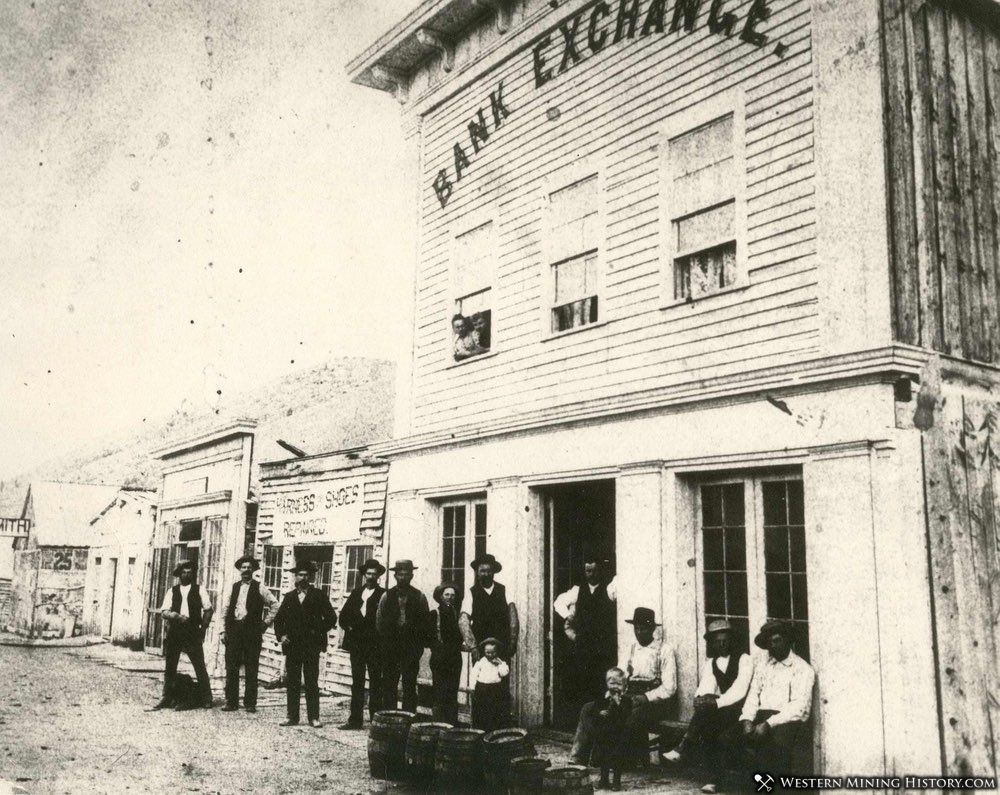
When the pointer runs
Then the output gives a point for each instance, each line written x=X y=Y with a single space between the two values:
x=992 y=84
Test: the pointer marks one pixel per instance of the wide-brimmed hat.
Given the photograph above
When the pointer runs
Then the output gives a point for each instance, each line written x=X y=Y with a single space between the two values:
x=184 y=564
x=643 y=617
x=248 y=559
x=403 y=565
x=774 y=626
x=487 y=558
x=494 y=641
x=717 y=626
x=439 y=591
x=371 y=563
x=308 y=566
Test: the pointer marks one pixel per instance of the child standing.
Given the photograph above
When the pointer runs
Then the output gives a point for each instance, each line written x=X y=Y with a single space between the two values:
x=611 y=741
x=489 y=696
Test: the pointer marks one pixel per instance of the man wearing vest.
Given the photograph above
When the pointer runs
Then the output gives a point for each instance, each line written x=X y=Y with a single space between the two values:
x=250 y=612
x=722 y=689
x=590 y=613
x=357 y=619
x=301 y=625
x=187 y=615
x=402 y=621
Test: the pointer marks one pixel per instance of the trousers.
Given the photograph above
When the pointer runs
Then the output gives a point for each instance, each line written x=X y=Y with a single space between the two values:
x=302 y=667
x=772 y=753
x=242 y=650
x=362 y=660
x=402 y=664
x=181 y=639
x=446 y=677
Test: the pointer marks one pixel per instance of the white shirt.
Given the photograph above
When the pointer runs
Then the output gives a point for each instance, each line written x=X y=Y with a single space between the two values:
x=784 y=686
x=648 y=663
x=489 y=674
x=240 y=609
x=301 y=595
x=169 y=598
x=366 y=594
x=566 y=602
x=707 y=686
x=490 y=589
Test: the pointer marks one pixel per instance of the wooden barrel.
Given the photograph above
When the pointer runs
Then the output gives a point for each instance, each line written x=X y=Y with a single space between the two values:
x=387 y=743
x=567 y=780
x=499 y=747
x=524 y=775
x=421 y=745
x=459 y=756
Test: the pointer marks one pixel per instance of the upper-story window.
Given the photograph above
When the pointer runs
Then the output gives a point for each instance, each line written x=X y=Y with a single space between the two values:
x=473 y=272
x=703 y=196
x=573 y=235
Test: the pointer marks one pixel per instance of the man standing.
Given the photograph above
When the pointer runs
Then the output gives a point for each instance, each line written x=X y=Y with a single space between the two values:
x=187 y=614
x=250 y=612
x=651 y=669
x=718 y=701
x=492 y=615
x=590 y=611
x=401 y=622
x=776 y=711
x=357 y=619
x=304 y=618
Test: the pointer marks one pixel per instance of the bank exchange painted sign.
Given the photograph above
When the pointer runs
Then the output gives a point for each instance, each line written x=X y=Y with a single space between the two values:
x=326 y=513
x=591 y=29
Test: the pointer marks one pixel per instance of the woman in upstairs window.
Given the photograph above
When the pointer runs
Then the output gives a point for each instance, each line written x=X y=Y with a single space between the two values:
x=465 y=341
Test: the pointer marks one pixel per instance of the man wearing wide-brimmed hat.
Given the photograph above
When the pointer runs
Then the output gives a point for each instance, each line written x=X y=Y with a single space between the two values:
x=722 y=688
x=187 y=612
x=357 y=619
x=776 y=711
x=402 y=621
x=491 y=615
x=301 y=626
x=250 y=611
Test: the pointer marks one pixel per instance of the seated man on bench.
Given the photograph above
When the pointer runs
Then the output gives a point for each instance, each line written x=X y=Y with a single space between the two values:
x=718 y=701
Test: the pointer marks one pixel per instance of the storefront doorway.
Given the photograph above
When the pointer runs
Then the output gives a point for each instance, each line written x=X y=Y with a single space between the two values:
x=579 y=522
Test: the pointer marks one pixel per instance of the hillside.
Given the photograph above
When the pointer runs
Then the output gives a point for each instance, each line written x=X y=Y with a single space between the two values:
x=344 y=403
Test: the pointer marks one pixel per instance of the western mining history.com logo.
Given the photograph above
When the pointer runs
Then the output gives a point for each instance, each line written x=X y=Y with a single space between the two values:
x=766 y=783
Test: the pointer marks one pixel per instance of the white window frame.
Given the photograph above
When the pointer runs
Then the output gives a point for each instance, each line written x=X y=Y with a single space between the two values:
x=345 y=589
x=564 y=178
x=730 y=103
x=469 y=503
x=458 y=228
x=753 y=512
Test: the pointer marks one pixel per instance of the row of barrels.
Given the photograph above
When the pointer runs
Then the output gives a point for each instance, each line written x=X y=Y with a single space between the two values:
x=402 y=748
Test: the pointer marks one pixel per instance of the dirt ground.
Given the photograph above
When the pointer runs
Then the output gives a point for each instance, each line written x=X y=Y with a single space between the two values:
x=70 y=724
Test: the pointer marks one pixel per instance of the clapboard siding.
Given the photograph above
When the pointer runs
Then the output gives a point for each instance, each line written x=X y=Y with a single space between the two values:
x=942 y=92
x=613 y=108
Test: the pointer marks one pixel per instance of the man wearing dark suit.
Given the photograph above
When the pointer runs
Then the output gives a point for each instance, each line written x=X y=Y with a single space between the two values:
x=402 y=619
x=187 y=613
x=357 y=619
x=304 y=618
x=250 y=611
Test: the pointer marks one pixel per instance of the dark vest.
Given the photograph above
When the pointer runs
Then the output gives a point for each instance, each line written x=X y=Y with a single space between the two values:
x=255 y=604
x=194 y=605
x=725 y=679
x=490 y=617
x=595 y=619
x=412 y=632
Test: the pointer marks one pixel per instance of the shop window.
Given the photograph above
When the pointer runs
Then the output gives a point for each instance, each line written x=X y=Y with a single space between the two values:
x=703 y=197
x=250 y=529
x=210 y=563
x=190 y=531
x=322 y=556
x=473 y=271
x=753 y=555
x=463 y=538
x=573 y=254
x=273 y=568
x=355 y=558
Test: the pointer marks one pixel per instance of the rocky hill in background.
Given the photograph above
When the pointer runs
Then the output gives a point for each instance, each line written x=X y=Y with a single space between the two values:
x=346 y=402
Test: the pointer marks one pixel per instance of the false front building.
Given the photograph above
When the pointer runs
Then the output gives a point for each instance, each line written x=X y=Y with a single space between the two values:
x=709 y=289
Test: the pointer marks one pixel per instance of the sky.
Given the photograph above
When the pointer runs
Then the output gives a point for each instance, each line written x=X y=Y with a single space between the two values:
x=196 y=199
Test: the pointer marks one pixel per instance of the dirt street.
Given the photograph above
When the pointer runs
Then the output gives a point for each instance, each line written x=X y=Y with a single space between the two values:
x=70 y=724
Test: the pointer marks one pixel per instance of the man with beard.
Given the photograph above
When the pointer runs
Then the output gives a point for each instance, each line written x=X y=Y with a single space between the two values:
x=187 y=612
x=357 y=619
x=250 y=612
x=491 y=616
x=402 y=620
x=303 y=621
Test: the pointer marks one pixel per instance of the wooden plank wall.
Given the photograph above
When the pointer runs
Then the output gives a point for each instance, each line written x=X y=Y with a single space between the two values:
x=614 y=106
x=962 y=479
x=942 y=86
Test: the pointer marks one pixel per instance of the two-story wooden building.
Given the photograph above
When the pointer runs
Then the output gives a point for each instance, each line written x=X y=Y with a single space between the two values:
x=710 y=287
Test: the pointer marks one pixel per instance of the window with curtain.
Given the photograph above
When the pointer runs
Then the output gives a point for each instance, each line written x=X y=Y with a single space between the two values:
x=573 y=245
